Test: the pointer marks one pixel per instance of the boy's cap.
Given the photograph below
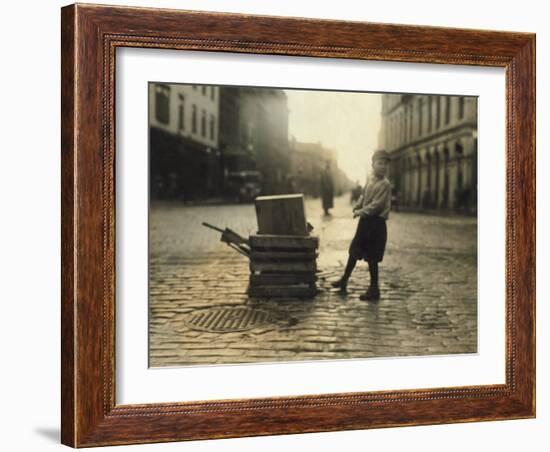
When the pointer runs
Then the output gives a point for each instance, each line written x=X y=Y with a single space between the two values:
x=381 y=155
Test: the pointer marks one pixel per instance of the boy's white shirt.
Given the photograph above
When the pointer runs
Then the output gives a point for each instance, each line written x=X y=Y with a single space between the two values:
x=378 y=205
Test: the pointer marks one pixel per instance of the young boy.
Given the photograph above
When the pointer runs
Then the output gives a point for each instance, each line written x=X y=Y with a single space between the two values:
x=369 y=242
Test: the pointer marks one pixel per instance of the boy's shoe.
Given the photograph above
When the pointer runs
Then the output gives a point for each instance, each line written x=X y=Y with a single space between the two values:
x=372 y=294
x=341 y=284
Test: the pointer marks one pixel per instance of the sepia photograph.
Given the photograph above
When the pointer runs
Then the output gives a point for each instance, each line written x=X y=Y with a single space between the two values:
x=296 y=225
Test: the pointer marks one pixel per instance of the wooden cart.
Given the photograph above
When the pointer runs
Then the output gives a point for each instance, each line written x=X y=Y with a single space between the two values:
x=283 y=254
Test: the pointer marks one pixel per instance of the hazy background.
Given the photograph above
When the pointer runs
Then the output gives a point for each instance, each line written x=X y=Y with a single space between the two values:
x=346 y=122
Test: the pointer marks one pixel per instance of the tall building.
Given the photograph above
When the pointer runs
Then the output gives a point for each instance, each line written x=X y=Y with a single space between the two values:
x=254 y=134
x=432 y=141
x=183 y=141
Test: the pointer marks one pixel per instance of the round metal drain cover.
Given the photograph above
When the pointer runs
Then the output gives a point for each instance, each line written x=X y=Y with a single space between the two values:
x=228 y=319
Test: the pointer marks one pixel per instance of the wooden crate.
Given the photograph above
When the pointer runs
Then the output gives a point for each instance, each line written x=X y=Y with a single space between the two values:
x=282 y=291
x=268 y=255
x=283 y=242
x=283 y=266
x=282 y=279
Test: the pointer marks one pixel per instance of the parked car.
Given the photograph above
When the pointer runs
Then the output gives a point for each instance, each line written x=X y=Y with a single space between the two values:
x=244 y=186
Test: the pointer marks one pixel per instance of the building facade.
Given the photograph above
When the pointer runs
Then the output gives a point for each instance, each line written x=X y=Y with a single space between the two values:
x=432 y=141
x=184 y=155
x=254 y=134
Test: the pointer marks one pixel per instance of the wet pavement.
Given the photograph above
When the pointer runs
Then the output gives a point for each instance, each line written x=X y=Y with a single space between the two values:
x=200 y=312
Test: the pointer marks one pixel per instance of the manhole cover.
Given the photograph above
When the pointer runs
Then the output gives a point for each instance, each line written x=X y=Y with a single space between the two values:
x=228 y=319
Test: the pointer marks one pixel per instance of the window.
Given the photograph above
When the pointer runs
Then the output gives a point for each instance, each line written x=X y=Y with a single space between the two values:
x=162 y=103
x=401 y=128
x=420 y=112
x=203 y=123
x=212 y=127
x=395 y=137
x=204 y=90
x=390 y=132
x=213 y=93
x=461 y=107
x=437 y=112
x=430 y=99
x=459 y=154
x=194 y=119
x=181 y=112
x=249 y=133
x=410 y=121
x=447 y=109
x=406 y=125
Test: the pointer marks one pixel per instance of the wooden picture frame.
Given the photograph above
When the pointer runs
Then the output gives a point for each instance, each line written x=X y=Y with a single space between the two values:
x=90 y=36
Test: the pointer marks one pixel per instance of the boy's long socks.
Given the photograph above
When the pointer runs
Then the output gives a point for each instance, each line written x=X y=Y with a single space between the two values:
x=349 y=268
x=373 y=270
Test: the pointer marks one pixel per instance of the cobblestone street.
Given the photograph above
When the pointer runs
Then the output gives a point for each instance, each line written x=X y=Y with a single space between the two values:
x=428 y=282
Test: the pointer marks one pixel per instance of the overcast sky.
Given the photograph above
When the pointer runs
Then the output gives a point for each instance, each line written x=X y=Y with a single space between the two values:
x=348 y=123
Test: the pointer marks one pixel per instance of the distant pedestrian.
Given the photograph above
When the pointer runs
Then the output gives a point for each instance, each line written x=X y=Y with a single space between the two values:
x=395 y=199
x=369 y=242
x=327 y=189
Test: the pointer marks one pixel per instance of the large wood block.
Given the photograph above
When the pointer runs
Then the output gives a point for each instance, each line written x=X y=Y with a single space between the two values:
x=281 y=214
x=274 y=242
